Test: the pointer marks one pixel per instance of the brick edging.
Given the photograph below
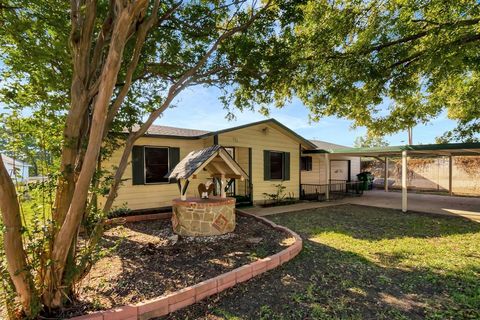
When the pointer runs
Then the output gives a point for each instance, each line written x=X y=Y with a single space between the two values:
x=163 y=305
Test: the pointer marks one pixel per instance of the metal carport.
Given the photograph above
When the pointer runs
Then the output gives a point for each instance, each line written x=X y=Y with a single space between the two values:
x=446 y=149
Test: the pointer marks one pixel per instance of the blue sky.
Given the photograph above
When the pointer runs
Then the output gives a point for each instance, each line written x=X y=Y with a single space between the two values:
x=199 y=108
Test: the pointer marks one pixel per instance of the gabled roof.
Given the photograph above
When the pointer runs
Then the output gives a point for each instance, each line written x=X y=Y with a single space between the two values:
x=181 y=133
x=267 y=121
x=215 y=159
x=324 y=145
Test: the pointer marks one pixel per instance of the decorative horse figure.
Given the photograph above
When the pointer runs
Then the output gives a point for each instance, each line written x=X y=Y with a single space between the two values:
x=205 y=192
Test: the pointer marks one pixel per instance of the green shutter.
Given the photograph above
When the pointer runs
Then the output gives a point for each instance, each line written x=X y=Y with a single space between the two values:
x=309 y=164
x=174 y=159
x=286 y=166
x=266 y=165
x=138 y=164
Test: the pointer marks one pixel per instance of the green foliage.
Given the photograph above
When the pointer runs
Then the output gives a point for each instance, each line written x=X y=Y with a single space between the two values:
x=40 y=86
x=122 y=211
x=369 y=141
x=278 y=196
x=357 y=256
x=344 y=58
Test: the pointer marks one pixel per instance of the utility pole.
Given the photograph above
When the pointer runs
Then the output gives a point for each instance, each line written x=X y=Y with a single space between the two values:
x=410 y=135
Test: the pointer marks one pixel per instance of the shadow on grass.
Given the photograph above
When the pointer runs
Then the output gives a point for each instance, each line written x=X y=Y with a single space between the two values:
x=324 y=282
x=372 y=223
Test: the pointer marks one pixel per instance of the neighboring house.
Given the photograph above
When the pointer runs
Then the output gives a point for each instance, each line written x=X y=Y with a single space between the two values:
x=18 y=170
x=269 y=152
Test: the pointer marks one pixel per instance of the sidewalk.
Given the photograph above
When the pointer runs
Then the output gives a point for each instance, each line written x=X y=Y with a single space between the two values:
x=468 y=207
x=260 y=211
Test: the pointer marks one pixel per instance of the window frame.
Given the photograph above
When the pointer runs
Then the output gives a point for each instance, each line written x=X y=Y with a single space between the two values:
x=145 y=164
x=283 y=165
x=306 y=165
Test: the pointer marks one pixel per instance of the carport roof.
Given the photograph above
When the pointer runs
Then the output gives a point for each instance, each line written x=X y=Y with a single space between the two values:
x=420 y=149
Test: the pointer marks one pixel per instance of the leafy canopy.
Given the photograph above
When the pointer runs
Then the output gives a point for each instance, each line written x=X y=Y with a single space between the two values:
x=346 y=57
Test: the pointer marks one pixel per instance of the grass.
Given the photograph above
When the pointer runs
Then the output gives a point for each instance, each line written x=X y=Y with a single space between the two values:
x=363 y=263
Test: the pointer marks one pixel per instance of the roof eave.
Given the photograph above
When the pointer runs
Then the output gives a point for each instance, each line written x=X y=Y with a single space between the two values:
x=296 y=135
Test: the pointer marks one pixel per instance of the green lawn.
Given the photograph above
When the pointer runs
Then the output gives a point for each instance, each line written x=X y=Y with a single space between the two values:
x=363 y=263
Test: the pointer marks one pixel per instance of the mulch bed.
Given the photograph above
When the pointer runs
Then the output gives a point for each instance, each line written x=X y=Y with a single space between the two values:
x=147 y=260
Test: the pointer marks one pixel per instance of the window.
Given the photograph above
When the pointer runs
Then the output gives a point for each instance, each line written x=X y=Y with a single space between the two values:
x=306 y=163
x=156 y=165
x=150 y=164
x=276 y=165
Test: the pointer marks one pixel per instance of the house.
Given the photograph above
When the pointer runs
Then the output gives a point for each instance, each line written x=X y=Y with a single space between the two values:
x=268 y=151
x=18 y=170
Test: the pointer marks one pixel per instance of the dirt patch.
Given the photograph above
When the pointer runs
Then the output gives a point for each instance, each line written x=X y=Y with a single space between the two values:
x=147 y=260
x=361 y=262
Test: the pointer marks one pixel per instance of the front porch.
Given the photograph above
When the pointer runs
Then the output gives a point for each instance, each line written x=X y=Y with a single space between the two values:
x=241 y=190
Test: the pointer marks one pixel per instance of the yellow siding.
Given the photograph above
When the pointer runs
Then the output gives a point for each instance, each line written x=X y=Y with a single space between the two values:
x=241 y=156
x=153 y=195
x=258 y=139
x=317 y=175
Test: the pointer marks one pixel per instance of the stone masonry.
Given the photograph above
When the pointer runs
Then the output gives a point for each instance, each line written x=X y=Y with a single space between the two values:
x=203 y=217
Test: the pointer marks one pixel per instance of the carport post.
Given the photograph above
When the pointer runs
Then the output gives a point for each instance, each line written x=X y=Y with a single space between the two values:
x=404 y=180
x=327 y=176
x=450 y=174
x=385 y=182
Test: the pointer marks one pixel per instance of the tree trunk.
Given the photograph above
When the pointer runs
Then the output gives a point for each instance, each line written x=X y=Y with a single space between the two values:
x=13 y=244
x=80 y=40
x=52 y=296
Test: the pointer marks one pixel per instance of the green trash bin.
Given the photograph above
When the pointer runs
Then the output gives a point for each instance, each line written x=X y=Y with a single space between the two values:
x=367 y=180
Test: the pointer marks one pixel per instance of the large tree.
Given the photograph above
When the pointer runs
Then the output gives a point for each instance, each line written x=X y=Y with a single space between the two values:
x=385 y=64
x=92 y=68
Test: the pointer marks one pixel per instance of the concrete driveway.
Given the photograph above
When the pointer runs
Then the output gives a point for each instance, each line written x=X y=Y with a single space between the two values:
x=449 y=205
x=429 y=203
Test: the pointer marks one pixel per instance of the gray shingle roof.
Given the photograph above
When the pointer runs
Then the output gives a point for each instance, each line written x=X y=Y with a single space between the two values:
x=173 y=131
x=185 y=168
x=324 y=145
x=195 y=133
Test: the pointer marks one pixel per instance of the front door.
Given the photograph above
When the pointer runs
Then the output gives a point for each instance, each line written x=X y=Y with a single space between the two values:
x=339 y=170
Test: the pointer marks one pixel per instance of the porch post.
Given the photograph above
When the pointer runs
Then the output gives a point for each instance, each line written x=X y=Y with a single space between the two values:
x=327 y=176
x=450 y=175
x=223 y=184
x=386 y=175
x=250 y=178
x=404 y=180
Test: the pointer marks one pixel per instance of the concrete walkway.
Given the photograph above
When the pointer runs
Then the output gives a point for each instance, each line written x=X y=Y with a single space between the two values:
x=260 y=211
x=453 y=206
x=468 y=207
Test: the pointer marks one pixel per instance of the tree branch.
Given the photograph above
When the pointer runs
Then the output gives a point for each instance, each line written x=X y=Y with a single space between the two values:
x=142 y=33
x=13 y=243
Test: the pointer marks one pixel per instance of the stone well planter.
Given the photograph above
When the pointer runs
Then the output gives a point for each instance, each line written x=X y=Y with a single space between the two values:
x=203 y=217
